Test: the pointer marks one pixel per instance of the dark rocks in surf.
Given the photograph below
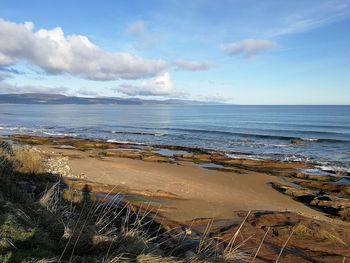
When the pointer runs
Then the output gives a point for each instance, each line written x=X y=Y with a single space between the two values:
x=296 y=141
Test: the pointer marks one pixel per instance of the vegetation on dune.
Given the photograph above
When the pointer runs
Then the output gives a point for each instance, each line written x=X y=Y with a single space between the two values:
x=42 y=221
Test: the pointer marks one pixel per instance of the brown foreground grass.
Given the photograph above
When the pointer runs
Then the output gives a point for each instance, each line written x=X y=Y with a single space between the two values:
x=43 y=221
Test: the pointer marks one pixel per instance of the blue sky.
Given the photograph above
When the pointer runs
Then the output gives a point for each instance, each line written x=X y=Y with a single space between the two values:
x=244 y=52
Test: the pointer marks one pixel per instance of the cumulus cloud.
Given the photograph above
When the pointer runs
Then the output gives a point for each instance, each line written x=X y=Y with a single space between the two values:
x=249 y=47
x=56 y=53
x=158 y=86
x=193 y=65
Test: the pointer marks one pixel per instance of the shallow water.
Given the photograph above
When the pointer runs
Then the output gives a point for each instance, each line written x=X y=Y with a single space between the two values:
x=170 y=153
x=322 y=133
x=208 y=166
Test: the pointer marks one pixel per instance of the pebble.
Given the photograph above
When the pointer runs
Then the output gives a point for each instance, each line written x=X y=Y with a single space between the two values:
x=60 y=166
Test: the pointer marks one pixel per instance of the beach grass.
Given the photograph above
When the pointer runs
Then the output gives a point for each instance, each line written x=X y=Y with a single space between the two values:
x=43 y=222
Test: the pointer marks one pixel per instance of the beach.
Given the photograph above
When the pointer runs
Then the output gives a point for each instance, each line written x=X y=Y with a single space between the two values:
x=193 y=193
x=205 y=193
x=174 y=132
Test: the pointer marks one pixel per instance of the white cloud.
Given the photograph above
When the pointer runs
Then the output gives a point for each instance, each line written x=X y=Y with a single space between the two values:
x=220 y=98
x=85 y=93
x=158 y=86
x=13 y=88
x=249 y=47
x=326 y=12
x=56 y=53
x=193 y=65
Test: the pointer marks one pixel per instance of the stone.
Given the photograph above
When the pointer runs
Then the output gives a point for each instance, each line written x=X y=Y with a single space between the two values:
x=303 y=195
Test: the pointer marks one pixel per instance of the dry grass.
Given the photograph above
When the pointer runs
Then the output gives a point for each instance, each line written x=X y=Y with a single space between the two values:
x=156 y=259
x=345 y=214
x=318 y=234
x=28 y=160
x=4 y=157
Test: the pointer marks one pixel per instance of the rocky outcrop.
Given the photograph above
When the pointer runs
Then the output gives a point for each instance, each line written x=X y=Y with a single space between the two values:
x=156 y=158
x=303 y=195
x=325 y=187
x=310 y=240
x=314 y=189
x=320 y=178
x=331 y=204
x=131 y=155
x=268 y=166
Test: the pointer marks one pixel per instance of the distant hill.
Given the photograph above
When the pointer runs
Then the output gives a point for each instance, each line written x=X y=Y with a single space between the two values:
x=42 y=98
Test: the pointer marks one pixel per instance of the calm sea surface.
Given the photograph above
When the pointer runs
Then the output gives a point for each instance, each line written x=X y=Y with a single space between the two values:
x=260 y=131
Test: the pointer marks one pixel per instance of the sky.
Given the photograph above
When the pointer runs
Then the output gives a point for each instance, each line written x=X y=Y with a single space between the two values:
x=241 y=52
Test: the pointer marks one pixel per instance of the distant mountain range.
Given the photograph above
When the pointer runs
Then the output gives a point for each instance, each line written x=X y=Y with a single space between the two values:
x=42 y=98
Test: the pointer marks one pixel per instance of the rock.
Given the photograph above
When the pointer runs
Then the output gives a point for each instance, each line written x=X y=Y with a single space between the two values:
x=331 y=204
x=184 y=157
x=326 y=187
x=199 y=158
x=296 y=141
x=156 y=158
x=303 y=195
x=59 y=166
x=68 y=147
x=129 y=154
x=257 y=165
x=320 y=178
x=203 y=158
x=311 y=240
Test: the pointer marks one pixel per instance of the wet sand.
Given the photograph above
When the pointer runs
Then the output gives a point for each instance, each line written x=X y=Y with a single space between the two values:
x=207 y=193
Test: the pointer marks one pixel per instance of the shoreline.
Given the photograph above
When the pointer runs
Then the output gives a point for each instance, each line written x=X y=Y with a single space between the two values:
x=257 y=199
x=131 y=166
x=319 y=167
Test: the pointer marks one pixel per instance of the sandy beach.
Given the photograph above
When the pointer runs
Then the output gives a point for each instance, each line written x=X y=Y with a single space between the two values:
x=206 y=193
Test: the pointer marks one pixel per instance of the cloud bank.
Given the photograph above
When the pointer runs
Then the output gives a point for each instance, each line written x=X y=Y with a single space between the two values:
x=13 y=88
x=57 y=53
x=249 y=47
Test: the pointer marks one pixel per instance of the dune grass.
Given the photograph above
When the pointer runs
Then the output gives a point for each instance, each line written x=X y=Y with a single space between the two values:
x=318 y=234
x=42 y=221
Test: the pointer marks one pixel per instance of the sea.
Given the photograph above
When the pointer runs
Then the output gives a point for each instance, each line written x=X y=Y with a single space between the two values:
x=314 y=134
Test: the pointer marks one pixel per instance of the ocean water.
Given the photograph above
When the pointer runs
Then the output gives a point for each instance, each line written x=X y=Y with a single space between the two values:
x=258 y=132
